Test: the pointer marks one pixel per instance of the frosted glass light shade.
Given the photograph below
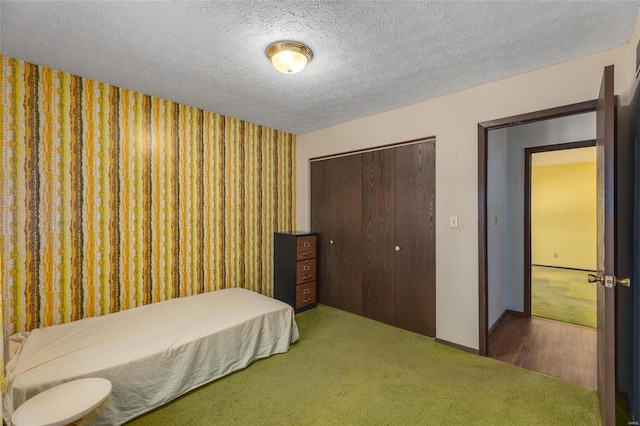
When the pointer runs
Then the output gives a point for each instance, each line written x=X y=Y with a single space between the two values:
x=289 y=62
x=289 y=57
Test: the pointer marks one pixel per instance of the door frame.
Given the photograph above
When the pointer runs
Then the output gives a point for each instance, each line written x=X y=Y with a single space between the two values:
x=527 y=208
x=483 y=130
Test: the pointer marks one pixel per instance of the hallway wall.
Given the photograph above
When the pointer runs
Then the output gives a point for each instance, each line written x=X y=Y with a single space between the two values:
x=563 y=215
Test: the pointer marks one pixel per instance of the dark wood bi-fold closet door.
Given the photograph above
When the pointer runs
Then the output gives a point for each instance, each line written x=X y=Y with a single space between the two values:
x=379 y=236
x=336 y=214
x=415 y=268
x=374 y=213
x=322 y=206
x=347 y=246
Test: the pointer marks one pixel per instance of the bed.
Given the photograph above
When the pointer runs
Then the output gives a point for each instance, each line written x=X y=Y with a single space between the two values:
x=151 y=354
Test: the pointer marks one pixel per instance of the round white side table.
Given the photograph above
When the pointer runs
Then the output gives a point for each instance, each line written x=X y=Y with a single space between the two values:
x=63 y=404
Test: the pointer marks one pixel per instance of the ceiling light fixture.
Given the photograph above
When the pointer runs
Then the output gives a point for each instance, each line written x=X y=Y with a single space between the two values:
x=289 y=57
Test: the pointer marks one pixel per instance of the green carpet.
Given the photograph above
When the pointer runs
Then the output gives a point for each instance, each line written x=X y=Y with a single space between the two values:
x=349 y=370
x=563 y=295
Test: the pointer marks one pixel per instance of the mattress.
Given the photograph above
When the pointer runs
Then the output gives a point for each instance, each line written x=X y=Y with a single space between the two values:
x=151 y=354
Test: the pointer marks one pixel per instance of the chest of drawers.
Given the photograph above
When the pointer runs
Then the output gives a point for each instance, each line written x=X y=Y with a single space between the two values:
x=294 y=278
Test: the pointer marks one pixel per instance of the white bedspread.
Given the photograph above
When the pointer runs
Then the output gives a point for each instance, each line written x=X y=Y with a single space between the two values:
x=154 y=353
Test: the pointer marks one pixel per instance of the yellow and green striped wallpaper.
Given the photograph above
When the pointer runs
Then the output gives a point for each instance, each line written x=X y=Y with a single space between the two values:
x=113 y=199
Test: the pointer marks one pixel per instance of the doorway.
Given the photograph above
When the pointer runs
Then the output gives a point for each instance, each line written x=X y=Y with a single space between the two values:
x=484 y=129
x=551 y=347
x=560 y=232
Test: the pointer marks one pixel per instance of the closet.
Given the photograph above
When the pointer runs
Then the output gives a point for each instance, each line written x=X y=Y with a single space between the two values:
x=374 y=214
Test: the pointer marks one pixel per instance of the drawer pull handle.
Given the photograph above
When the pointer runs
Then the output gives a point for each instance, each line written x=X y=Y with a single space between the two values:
x=308 y=299
x=307 y=244
x=306 y=268
x=307 y=253
x=306 y=277
x=306 y=291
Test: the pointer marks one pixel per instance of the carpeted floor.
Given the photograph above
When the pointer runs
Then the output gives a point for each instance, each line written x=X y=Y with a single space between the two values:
x=349 y=370
x=563 y=295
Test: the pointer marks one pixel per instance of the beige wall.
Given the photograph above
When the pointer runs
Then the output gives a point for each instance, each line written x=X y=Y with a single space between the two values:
x=631 y=59
x=563 y=215
x=453 y=120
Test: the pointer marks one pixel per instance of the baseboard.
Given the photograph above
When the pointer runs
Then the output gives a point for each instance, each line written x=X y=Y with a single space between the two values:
x=457 y=346
x=498 y=321
x=563 y=267
x=504 y=314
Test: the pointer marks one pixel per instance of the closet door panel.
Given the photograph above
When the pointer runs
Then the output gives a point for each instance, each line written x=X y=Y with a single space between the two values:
x=322 y=207
x=378 y=220
x=347 y=272
x=415 y=278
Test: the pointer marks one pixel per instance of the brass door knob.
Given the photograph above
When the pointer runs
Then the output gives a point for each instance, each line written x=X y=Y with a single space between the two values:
x=623 y=281
x=608 y=281
x=595 y=278
x=397 y=248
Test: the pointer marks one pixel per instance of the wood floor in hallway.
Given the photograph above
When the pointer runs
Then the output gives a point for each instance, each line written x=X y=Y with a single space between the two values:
x=558 y=349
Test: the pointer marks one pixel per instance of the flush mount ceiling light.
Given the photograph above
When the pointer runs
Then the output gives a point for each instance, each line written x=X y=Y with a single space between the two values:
x=289 y=57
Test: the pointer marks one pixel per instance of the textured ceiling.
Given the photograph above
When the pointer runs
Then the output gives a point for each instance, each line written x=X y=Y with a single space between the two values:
x=369 y=57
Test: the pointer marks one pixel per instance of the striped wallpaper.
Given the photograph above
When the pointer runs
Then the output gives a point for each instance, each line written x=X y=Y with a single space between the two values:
x=2 y=378
x=113 y=199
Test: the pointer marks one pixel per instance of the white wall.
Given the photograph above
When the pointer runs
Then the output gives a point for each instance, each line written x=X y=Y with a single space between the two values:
x=498 y=257
x=631 y=59
x=453 y=120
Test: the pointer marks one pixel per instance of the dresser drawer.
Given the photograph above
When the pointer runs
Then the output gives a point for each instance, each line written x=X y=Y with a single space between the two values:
x=305 y=271
x=306 y=247
x=305 y=294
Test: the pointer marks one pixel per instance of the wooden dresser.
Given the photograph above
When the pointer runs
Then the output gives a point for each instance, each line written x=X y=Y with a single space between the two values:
x=294 y=278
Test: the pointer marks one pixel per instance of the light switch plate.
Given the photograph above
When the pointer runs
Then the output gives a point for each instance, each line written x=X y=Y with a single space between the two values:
x=453 y=221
